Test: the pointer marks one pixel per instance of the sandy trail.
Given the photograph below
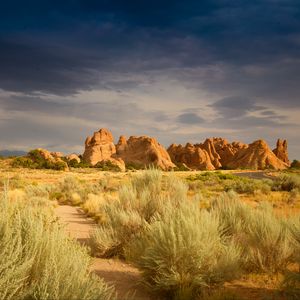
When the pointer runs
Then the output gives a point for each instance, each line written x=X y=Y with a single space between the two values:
x=122 y=275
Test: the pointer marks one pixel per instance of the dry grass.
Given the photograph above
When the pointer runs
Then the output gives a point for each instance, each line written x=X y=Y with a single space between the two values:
x=99 y=194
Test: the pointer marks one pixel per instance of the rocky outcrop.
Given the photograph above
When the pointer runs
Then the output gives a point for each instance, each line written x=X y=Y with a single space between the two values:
x=281 y=151
x=46 y=159
x=191 y=155
x=226 y=150
x=57 y=154
x=73 y=156
x=217 y=153
x=99 y=147
x=256 y=156
x=143 y=151
x=213 y=153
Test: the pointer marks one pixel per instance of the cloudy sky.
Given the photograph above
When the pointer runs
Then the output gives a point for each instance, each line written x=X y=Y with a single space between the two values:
x=176 y=70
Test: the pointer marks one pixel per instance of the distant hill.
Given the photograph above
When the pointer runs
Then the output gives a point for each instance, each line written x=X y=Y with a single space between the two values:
x=7 y=153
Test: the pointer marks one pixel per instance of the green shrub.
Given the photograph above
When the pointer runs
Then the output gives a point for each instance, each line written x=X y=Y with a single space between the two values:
x=107 y=165
x=134 y=166
x=286 y=182
x=264 y=237
x=292 y=278
x=183 y=252
x=75 y=164
x=181 y=167
x=139 y=201
x=38 y=261
x=34 y=160
x=295 y=164
x=248 y=186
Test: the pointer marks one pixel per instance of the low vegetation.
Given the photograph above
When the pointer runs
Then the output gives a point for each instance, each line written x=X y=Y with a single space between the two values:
x=183 y=247
x=264 y=238
x=183 y=252
x=187 y=236
x=37 y=259
x=34 y=160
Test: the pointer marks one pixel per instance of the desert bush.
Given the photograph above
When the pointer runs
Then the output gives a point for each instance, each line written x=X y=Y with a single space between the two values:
x=181 y=167
x=139 y=201
x=264 y=237
x=15 y=182
x=41 y=190
x=295 y=164
x=75 y=164
x=183 y=252
x=93 y=204
x=107 y=165
x=134 y=166
x=292 y=278
x=38 y=261
x=248 y=186
x=286 y=182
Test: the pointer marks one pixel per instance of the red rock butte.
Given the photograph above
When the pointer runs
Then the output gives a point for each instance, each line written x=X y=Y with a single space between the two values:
x=213 y=153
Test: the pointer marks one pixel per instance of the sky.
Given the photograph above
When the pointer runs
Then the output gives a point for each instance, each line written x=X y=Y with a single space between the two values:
x=180 y=71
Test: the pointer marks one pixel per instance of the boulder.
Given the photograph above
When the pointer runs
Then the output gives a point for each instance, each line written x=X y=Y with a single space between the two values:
x=99 y=147
x=57 y=154
x=191 y=155
x=256 y=156
x=281 y=151
x=72 y=157
x=143 y=151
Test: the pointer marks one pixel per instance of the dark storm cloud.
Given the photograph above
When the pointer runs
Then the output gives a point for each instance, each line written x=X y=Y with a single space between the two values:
x=244 y=53
x=62 y=47
x=235 y=107
x=189 y=118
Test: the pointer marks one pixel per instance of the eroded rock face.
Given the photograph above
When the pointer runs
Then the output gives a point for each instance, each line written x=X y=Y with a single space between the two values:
x=281 y=151
x=256 y=156
x=214 y=156
x=143 y=151
x=191 y=155
x=217 y=153
x=99 y=147
x=226 y=150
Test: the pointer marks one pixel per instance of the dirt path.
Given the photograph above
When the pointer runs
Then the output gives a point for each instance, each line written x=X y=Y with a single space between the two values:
x=122 y=275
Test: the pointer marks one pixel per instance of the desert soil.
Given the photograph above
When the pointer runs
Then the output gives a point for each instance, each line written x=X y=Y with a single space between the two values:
x=123 y=276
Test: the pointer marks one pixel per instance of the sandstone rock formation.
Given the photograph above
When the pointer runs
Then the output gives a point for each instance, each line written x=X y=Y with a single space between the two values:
x=209 y=147
x=143 y=151
x=73 y=156
x=217 y=153
x=191 y=155
x=45 y=155
x=226 y=151
x=99 y=147
x=256 y=156
x=213 y=153
x=281 y=151
x=57 y=154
